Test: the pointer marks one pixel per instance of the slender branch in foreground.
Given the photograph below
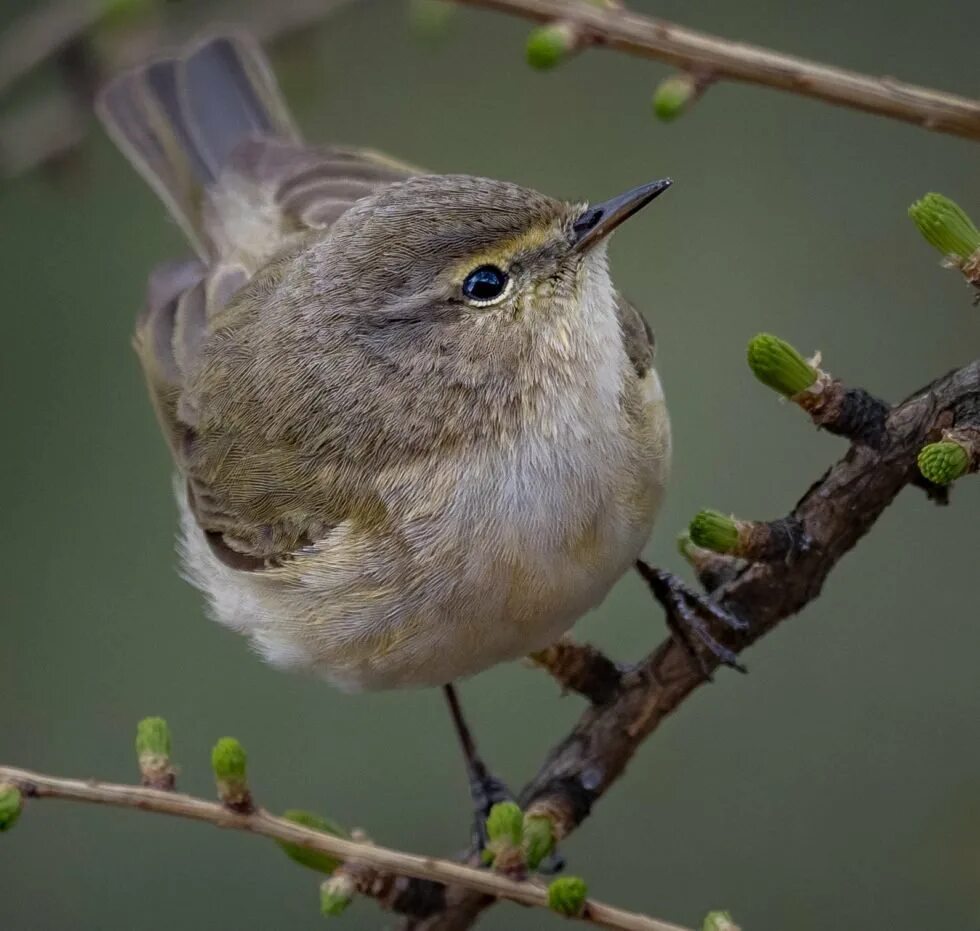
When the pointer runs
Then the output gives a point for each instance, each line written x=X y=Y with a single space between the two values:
x=835 y=513
x=715 y=58
x=483 y=882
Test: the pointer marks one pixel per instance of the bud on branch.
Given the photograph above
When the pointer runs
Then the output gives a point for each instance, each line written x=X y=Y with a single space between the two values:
x=153 y=754
x=756 y=541
x=956 y=454
x=567 y=895
x=11 y=805
x=228 y=760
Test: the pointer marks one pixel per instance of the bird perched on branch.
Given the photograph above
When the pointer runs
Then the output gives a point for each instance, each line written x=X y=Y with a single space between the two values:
x=417 y=431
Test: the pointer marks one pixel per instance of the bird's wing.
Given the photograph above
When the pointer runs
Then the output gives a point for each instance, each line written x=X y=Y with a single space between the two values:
x=211 y=134
x=637 y=336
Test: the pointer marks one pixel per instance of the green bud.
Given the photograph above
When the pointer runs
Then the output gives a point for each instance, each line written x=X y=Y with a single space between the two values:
x=313 y=859
x=152 y=738
x=566 y=895
x=777 y=364
x=539 y=840
x=548 y=46
x=11 y=805
x=943 y=462
x=153 y=753
x=505 y=823
x=719 y=921
x=336 y=894
x=945 y=226
x=228 y=760
x=674 y=96
x=713 y=530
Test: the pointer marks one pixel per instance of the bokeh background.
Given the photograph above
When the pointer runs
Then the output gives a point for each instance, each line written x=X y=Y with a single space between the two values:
x=836 y=786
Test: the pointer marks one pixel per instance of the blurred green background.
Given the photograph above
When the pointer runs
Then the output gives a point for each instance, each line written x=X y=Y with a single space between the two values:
x=836 y=786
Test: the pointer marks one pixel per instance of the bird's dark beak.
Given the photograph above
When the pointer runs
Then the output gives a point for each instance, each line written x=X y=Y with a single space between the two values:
x=598 y=221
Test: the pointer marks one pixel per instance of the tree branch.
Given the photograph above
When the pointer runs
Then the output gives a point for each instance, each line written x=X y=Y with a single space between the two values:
x=835 y=513
x=716 y=58
x=480 y=882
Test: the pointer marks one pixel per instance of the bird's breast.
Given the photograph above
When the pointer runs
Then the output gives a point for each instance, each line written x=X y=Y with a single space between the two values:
x=488 y=554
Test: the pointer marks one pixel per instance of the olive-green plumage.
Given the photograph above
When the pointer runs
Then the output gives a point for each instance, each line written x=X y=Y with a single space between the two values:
x=383 y=476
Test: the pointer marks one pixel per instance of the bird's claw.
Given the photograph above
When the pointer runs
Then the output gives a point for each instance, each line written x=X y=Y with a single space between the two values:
x=686 y=610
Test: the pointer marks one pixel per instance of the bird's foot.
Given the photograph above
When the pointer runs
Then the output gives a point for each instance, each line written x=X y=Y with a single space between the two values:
x=686 y=611
x=486 y=790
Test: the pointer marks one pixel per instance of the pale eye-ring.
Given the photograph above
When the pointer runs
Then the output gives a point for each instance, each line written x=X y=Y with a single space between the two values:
x=486 y=285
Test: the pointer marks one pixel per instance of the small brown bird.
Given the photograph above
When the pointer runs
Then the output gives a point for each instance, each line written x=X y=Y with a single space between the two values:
x=417 y=430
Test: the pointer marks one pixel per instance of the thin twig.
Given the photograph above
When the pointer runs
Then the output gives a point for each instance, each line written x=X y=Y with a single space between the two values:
x=700 y=53
x=485 y=882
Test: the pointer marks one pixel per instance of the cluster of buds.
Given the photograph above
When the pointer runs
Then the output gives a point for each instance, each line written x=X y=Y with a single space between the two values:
x=517 y=841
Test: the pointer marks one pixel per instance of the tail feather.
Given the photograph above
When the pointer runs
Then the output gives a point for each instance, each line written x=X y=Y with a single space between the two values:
x=180 y=119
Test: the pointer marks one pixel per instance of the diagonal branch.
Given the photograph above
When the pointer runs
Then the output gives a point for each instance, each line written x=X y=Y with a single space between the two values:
x=835 y=513
x=481 y=882
x=715 y=58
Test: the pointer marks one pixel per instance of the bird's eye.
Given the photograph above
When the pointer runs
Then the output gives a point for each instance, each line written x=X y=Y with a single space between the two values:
x=485 y=285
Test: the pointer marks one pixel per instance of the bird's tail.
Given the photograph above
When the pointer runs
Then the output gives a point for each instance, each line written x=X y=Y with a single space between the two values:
x=178 y=120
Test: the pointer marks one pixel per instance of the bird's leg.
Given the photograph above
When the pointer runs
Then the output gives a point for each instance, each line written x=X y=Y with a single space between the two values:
x=686 y=611
x=485 y=789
